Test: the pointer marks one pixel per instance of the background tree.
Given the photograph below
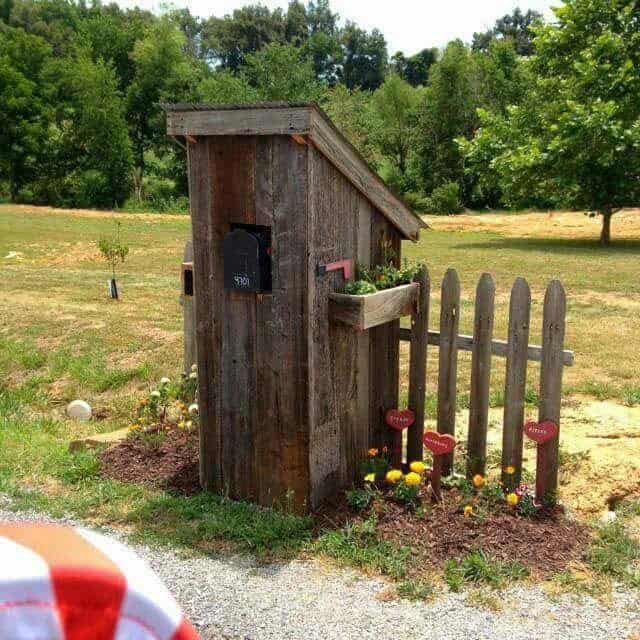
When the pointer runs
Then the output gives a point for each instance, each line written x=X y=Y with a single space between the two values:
x=516 y=26
x=23 y=105
x=577 y=135
x=280 y=72
x=415 y=69
x=228 y=40
x=394 y=110
x=162 y=73
x=448 y=110
x=365 y=58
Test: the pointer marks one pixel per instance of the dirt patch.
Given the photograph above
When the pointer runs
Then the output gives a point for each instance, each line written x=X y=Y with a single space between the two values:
x=539 y=224
x=163 y=459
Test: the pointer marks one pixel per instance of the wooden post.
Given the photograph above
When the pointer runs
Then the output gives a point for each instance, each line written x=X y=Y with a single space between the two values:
x=553 y=332
x=418 y=366
x=189 y=316
x=480 y=376
x=448 y=359
x=515 y=382
x=436 y=477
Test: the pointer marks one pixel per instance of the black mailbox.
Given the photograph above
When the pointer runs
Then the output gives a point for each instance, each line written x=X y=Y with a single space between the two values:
x=247 y=258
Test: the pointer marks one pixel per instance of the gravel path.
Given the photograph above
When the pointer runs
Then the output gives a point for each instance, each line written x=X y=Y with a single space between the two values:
x=236 y=598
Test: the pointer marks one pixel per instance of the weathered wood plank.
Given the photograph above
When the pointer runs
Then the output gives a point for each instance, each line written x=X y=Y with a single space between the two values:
x=190 y=356
x=498 y=347
x=515 y=382
x=203 y=225
x=280 y=435
x=553 y=332
x=448 y=359
x=384 y=343
x=233 y=170
x=240 y=122
x=344 y=156
x=418 y=366
x=364 y=312
x=480 y=376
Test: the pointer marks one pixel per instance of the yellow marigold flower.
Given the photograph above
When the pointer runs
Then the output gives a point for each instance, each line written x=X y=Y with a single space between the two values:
x=468 y=510
x=373 y=452
x=418 y=467
x=512 y=499
x=394 y=476
x=478 y=481
x=510 y=470
x=370 y=477
x=413 y=479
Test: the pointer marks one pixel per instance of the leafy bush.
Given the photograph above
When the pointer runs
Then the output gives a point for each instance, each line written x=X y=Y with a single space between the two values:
x=445 y=199
x=359 y=288
x=477 y=568
x=417 y=201
x=359 y=499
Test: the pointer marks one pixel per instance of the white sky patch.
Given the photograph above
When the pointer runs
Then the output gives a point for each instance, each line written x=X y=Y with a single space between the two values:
x=408 y=25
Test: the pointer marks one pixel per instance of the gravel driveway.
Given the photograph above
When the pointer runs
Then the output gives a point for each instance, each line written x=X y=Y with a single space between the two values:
x=236 y=598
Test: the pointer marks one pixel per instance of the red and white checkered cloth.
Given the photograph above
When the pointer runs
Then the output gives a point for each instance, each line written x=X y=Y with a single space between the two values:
x=64 y=583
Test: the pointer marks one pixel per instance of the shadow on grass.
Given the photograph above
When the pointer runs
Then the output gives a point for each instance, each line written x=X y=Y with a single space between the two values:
x=554 y=245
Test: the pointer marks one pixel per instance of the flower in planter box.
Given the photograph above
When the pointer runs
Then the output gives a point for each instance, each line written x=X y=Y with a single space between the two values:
x=478 y=481
x=413 y=479
x=418 y=467
x=394 y=476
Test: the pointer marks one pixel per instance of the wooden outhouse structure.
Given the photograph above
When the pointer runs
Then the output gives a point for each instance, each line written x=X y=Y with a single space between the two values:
x=282 y=209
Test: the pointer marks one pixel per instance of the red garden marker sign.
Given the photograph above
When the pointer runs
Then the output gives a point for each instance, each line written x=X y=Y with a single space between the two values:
x=541 y=432
x=398 y=420
x=439 y=444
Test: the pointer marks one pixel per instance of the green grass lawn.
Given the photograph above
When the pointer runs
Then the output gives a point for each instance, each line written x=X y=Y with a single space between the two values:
x=62 y=338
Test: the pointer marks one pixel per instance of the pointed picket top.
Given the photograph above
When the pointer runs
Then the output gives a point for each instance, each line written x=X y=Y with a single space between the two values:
x=515 y=383
x=480 y=375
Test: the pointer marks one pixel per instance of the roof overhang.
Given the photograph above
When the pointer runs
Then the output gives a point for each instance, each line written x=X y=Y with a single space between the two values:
x=304 y=122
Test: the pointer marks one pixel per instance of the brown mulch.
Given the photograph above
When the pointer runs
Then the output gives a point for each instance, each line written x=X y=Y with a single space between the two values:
x=169 y=461
x=545 y=544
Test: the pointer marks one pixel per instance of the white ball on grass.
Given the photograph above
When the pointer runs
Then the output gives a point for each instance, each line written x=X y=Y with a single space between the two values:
x=79 y=410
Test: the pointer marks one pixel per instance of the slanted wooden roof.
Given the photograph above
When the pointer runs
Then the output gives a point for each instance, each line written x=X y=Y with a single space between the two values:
x=303 y=120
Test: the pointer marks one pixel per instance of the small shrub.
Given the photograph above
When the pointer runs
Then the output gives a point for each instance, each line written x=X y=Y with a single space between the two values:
x=416 y=589
x=631 y=396
x=359 y=288
x=82 y=466
x=477 y=568
x=359 y=499
x=613 y=553
x=359 y=545
x=406 y=493
x=445 y=199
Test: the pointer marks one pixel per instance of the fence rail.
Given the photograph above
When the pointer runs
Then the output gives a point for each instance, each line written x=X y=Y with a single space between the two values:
x=518 y=352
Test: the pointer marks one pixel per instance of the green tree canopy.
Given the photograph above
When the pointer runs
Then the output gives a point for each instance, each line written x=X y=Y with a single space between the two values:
x=517 y=27
x=576 y=138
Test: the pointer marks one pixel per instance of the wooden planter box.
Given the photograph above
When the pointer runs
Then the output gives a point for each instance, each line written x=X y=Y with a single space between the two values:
x=373 y=309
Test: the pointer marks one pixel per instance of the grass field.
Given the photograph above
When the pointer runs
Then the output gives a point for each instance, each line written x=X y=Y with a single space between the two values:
x=62 y=338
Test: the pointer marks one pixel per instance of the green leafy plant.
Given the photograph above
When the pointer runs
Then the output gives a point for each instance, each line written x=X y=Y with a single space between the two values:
x=406 y=493
x=478 y=568
x=359 y=499
x=115 y=252
x=359 y=288
x=445 y=199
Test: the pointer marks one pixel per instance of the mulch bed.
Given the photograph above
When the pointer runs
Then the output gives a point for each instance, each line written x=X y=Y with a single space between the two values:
x=168 y=461
x=545 y=544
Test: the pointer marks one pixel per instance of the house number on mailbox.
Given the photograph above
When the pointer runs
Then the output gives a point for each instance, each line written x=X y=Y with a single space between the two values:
x=247 y=259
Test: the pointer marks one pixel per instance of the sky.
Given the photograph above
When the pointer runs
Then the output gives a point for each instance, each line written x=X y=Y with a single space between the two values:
x=408 y=25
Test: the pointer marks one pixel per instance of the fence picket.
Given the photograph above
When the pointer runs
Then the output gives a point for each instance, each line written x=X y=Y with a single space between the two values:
x=553 y=332
x=515 y=382
x=480 y=376
x=418 y=366
x=448 y=359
